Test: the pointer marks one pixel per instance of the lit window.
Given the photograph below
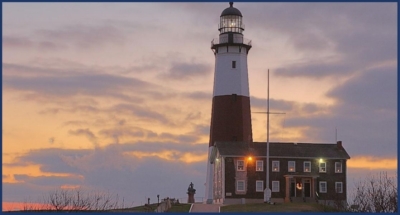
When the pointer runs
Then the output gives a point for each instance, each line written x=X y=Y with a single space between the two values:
x=339 y=187
x=240 y=185
x=292 y=166
x=233 y=64
x=240 y=165
x=307 y=166
x=259 y=186
x=275 y=186
x=322 y=186
x=259 y=165
x=338 y=167
x=275 y=166
x=322 y=167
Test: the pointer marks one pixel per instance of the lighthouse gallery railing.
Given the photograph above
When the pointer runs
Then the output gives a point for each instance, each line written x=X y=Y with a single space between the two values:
x=237 y=40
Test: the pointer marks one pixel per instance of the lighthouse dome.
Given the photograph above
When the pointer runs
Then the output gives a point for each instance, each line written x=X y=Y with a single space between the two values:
x=231 y=11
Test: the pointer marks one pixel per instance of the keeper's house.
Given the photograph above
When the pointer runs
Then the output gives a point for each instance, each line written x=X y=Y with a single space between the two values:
x=297 y=172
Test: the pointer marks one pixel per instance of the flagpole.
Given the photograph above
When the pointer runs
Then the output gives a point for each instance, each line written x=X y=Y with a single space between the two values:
x=267 y=188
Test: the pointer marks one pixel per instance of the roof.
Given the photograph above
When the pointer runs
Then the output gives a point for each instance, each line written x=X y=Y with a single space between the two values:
x=283 y=150
x=231 y=11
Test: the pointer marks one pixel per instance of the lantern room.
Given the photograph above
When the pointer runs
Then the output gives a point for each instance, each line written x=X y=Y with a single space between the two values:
x=231 y=20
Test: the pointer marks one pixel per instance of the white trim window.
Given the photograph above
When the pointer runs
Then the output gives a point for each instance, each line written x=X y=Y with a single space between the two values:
x=339 y=187
x=291 y=166
x=240 y=165
x=338 y=167
x=259 y=165
x=275 y=166
x=275 y=186
x=307 y=166
x=259 y=186
x=322 y=186
x=240 y=185
x=322 y=167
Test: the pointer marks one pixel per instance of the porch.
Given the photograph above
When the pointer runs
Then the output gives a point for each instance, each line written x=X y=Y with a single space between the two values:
x=300 y=188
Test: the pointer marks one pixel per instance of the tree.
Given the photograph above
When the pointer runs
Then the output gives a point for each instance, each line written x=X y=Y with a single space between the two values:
x=78 y=200
x=376 y=194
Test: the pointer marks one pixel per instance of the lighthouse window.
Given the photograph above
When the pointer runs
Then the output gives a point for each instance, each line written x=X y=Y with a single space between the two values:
x=234 y=64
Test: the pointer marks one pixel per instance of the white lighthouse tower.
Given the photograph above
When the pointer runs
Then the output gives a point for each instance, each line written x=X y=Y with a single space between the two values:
x=230 y=117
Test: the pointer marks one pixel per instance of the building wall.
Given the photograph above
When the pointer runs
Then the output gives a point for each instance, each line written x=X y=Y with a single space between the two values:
x=250 y=175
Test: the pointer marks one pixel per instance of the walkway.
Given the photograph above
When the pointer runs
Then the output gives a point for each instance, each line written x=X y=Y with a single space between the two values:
x=201 y=207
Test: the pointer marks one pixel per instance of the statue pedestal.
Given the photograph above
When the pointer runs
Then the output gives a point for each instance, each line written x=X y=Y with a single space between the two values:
x=190 y=197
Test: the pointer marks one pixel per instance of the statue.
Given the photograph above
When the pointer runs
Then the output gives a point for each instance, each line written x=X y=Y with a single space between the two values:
x=191 y=191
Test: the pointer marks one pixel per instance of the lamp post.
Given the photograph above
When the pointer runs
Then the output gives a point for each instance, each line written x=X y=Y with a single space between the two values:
x=158 y=200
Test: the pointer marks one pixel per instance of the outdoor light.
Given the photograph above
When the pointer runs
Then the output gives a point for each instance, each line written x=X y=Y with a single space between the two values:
x=321 y=160
x=299 y=186
x=250 y=158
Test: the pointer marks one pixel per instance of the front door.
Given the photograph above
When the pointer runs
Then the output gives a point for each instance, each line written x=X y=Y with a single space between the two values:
x=292 y=188
x=307 y=188
x=299 y=187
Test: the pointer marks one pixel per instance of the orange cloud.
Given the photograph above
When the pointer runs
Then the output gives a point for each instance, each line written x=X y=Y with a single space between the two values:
x=191 y=158
x=172 y=156
x=368 y=162
x=69 y=186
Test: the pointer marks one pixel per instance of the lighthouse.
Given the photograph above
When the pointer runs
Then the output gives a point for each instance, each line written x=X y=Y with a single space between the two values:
x=230 y=115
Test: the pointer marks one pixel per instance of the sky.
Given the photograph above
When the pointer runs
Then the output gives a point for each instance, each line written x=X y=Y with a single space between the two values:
x=116 y=97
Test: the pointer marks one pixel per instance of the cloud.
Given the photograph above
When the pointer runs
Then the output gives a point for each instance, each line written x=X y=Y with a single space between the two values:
x=184 y=71
x=87 y=133
x=14 y=42
x=79 y=36
x=89 y=84
x=119 y=132
x=75 y=122
x=144 y=113
x=83 y=36
x=364 y=114
x=116 y=167
x=277 y=104
x=54 y=84
x=50 y=159
x=317 y=70
x=369 y=162
x=330 y=40
x=373 y=89
x=55 y=181
x=198 y=96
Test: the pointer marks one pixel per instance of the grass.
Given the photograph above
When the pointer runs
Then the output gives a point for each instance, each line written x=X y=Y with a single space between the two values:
x=139 y=209
x=179 y=208
x=279 y=207
x=175 y=208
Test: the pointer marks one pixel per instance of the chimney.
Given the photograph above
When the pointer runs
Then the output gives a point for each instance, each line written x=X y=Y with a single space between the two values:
x=339 y=144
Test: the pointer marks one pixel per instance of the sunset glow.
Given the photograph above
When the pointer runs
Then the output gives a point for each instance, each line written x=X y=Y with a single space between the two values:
x=117 y=96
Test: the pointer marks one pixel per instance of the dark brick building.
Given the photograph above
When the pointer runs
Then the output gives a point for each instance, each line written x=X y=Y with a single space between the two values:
x=297 y=172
